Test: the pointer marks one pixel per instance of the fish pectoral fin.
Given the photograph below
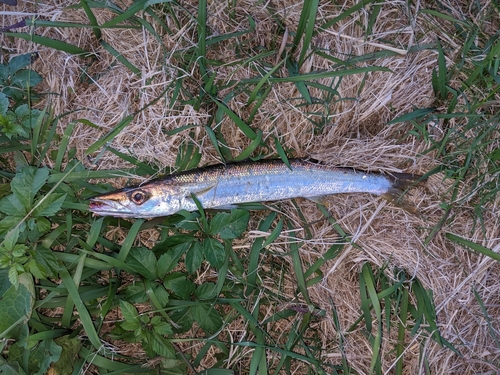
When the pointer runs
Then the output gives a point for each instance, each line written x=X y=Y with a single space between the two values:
x=199 y=193
x=319 y=199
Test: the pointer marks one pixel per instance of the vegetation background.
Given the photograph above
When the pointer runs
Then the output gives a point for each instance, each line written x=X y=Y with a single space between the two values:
x=96 y=95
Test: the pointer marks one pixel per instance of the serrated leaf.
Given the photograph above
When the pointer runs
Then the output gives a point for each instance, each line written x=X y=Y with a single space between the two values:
x=44 y=353
x=183 y=319
x=168 y=261
x=162 y=295
x=4 y=103
x=13 y=275
x=143 y=261
x=177 y=283
x=50 y=205
x=9 y=222
x=214 y=252
x=46 y=262
x=16 y=305
x=37 y=270
x=10 y=239
x=159 y=346
x=129 y=312
x=206 y=291
x=229 y=225
x=11 y=368
x=161 y=327
x=27 y=183
x=42 y=225
x=194 y=257
x=11 y=205
x=26 y=78
x=17 y=63
x=207 y=317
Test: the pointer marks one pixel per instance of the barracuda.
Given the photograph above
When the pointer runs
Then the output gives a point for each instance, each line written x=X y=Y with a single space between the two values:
x=224 y=186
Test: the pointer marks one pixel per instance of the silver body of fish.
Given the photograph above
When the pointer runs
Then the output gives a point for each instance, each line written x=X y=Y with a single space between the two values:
x=226 y=185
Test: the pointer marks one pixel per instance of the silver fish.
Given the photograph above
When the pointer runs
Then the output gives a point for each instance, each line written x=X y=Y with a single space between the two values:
x=224 y=186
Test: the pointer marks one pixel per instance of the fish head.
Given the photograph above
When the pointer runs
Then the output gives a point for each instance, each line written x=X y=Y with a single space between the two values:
x=145 y=202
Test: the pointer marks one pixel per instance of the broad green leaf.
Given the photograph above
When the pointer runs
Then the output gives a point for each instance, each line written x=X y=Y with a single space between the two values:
x=19 y=62
x=11 y=368
x=4 y=103
x=46 y=261
x=27 y=183
x=26 y=78
x=9 y=222
x=161 y=295
x=229 y=225
x=206 y=291
x=142 y=261
x=128 y=311
x=177 y=283
x=161 y=327
x=70 y=349
x=159 y=345
x=168 y=261
x=10 y=239
x=42 y=355
x=207 y=317
x=50 y=205
x=214 y=252
x=194 y=257
x=11 y=205
x=183 y=319
x=15 y=305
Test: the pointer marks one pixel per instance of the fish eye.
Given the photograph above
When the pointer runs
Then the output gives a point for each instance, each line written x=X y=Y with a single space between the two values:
x=138 y=196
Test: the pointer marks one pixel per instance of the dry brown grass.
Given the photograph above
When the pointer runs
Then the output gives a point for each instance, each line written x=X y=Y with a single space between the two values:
x=356 y=135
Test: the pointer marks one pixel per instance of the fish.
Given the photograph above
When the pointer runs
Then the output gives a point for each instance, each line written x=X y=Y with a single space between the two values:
x=224 y=186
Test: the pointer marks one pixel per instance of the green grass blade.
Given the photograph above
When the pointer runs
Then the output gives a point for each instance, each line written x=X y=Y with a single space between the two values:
x=110 y=135
x=312 y=10
x=346 y=13
x=92 y=19
x=474 y=246
x=202 y=37
x=281 y=152
x=83 y=313
x=297 y=267
x=121 y=58
x=253 y=258
x=63 y=145
x=318 y=75
x=245 y=154
x=293 y=71
x=242 y=125
x=129 y=240
x=369 y=283
x=262 y=81
x=301 y=26
x=51 y=43
x=127 y=15
x=402 y=328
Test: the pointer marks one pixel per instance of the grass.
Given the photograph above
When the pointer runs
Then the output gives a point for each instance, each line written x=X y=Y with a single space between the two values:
x=250 y=290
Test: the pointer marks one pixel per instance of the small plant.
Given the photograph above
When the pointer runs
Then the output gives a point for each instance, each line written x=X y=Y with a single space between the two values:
x=17 y=118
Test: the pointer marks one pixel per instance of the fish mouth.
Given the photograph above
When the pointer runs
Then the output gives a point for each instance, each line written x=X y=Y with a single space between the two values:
x=106 y=207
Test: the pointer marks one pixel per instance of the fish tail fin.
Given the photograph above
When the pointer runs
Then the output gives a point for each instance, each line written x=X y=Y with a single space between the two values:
x=401 y=182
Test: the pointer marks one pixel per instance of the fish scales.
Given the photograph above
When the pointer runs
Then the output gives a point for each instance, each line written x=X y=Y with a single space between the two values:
x=224 y=186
